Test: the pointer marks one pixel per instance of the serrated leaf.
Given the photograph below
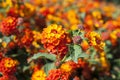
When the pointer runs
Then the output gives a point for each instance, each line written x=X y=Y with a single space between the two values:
x=47 y=67
x=46 y=55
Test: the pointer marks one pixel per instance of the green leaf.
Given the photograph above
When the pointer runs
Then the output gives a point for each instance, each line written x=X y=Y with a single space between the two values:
x=20 y=52
x=77 y=52
x=47 y=67
x=1 y=35
x=84 y=55
x=82 y=35
x=93 y=53
x=92 y=61
x=26 y=68
x=108 y=43
x=117 y=62
x=82 y=15
x=6 y=39
x=46 y=55
x=76 y=33
x=1 y=74
x=68 y=58
x=110 y=56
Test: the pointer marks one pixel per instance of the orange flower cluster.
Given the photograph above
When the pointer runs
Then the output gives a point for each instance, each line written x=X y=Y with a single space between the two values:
x=25 y=10
x=68 y=69
x=114 y=35
x=82 y=63
x=8 y=66
x=27 y=39
x=69 y=66
x=38 y=75
x=55 y=39
x=84 y=45
x=96 y=41
x=46 y=11
x=104 y=62
x=9 y=26
x=57 y=74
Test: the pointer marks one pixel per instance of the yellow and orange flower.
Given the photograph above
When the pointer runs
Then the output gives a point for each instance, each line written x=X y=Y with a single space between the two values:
x=7 y=3
x=84 y=45
x=57 y=74
x=8 y=66
x=114 y=36
x=96 y=41
x=111 y=25
x=45 y=11
x=9 y=26
x=39 y=75
x=68 y=66
x=54 y=38
x=37 y=37
x=72 y=17
x=97 y=14
x=27 y=38
x=104 y=62
x=26 y=10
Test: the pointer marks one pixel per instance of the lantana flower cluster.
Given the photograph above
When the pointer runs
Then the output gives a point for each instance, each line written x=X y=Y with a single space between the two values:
x=55 y=40
x=9 y=26
x=8 y=67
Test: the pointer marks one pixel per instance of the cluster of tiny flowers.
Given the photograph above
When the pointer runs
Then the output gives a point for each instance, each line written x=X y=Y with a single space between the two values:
x=26 y=40
x=37 y=37
x=67 y=69
x=69 y=66
x=8 y=66
x=96 y=41
x=54 y=38
x=38 y=75
x=104 y=62
x=9 y=26
x=57 y=74
x=114 y=35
